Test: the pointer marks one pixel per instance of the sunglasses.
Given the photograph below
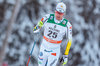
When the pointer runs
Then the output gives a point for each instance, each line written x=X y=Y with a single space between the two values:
x=59 y=13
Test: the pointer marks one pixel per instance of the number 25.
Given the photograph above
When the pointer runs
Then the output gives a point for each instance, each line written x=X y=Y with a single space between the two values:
x=52 y=34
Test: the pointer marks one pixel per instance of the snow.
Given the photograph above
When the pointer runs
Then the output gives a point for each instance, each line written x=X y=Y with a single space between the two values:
x=1 y=1
x=97 y=10
x=8 y=14
x=11 y=1
x=98 y=1
x=24 y=1
x=85 y=41
x=41 y=2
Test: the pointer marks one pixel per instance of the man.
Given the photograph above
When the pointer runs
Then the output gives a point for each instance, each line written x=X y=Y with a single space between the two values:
x=55 y=27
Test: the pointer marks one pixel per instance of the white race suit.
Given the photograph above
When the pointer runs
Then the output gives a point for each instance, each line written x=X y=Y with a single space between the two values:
x=54 y=31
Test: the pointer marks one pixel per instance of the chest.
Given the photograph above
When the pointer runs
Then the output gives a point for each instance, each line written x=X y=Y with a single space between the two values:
x=50 y=27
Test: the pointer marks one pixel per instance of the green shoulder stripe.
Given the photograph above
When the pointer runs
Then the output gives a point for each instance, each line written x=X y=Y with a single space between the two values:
x=51 y=20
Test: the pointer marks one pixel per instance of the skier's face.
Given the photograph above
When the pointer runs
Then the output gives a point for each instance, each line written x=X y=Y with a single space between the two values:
x=58 y=15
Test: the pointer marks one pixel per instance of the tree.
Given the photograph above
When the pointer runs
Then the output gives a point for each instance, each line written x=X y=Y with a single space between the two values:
x=9 y=29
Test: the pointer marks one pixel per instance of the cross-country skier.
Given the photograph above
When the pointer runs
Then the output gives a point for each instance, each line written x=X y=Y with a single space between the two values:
x=55 y=27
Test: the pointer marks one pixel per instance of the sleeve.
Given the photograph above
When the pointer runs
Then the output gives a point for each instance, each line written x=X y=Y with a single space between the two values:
x=69 y=36
x=41 y=23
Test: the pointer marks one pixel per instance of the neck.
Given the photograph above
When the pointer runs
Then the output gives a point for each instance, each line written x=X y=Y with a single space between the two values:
x=59 y=19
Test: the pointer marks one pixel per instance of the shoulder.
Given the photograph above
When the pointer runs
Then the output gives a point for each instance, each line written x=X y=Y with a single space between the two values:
x=64 y=22
x=45 y=18
x=48 y=15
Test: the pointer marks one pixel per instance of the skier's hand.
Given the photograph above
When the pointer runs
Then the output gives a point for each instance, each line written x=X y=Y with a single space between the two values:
x=40 y=24
x=64 y=59
x=36 y=29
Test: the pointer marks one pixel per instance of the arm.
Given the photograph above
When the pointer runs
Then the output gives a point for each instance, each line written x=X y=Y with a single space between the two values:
x=41 y=23
x=38 y=26
x=69 y=37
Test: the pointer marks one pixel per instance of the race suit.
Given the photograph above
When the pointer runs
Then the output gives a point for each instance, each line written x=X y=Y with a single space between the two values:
x=54 y=31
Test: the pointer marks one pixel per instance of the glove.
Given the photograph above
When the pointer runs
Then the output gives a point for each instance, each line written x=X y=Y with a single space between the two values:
x=64 y=59
x=40 y=24
x=36 y=29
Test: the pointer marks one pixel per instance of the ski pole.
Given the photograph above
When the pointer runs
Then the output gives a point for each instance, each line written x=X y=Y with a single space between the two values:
x=31 y=53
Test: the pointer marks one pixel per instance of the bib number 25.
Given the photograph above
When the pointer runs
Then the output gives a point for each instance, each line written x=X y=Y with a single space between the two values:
x=52 y=34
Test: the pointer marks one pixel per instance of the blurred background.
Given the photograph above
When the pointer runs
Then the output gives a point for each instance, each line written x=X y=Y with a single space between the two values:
x=18 y=18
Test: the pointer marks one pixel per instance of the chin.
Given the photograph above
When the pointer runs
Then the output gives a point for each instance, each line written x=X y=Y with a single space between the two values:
x=58 y=19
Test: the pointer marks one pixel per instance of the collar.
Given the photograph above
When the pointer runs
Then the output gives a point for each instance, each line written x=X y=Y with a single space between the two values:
x=58 y=21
